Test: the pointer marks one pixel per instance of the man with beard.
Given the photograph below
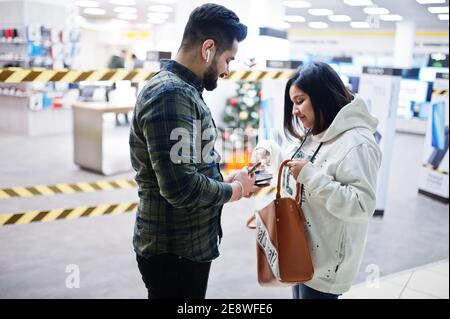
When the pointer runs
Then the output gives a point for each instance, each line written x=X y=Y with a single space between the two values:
x=172 y=136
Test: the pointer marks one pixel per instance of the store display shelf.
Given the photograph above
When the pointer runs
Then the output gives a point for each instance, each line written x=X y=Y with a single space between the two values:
x=15 y=95
x=13 y=42
x=411 y=126
x=14 y=60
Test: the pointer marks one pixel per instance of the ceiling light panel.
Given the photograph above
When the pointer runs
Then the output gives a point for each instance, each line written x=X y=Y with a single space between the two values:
x=339 y=18
x=318 y=25
x=125 y=10
x=294 y=19
x=320 y=12
x=431 y=1
x=438 y=9
x=391 y=17
x=87 y=3
x=376 y=10
x=160 y=8
x=123 y=2
x=297 y=4
x=360 y=25
x=358 y=3
x=95 y=11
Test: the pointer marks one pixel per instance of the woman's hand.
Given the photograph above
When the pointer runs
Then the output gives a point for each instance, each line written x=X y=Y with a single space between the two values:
x=296 y=167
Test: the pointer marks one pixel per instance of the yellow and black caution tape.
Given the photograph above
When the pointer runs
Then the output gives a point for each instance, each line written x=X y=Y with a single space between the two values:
x=431 y=167
x=440 y=92
x=84 y=187
x=79 y=212
x=19 y=75
x=71 y=213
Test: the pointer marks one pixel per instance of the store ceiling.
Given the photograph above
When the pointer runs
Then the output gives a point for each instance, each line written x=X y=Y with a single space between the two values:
x=410 y=10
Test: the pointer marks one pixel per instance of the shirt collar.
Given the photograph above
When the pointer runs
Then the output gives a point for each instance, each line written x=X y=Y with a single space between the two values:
x=184 y=73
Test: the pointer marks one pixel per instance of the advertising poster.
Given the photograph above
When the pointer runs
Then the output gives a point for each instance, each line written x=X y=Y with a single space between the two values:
x=434 y=170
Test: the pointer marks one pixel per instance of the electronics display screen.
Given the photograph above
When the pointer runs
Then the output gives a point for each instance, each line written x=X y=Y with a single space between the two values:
x=411 y=92
x=438 y=126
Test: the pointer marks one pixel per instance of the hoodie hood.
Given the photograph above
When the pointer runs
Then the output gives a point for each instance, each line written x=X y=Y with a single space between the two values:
x=353 y=115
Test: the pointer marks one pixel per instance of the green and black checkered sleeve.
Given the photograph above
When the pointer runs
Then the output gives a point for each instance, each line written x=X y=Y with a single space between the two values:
x=180 y=182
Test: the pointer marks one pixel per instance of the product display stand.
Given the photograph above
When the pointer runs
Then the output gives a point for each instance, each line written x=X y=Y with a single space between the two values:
x=434 y=171
x=379 y=87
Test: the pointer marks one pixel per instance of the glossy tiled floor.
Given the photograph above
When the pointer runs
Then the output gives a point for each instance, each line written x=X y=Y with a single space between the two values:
x=405 y=246
x=427 y=282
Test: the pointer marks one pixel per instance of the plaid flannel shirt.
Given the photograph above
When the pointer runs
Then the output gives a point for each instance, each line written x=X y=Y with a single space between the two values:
x=181 y=193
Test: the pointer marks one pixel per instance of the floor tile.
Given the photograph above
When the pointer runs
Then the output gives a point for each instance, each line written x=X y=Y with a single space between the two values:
x=441 y=269
x=412 y=294
x=430 y=283
x=386 y=290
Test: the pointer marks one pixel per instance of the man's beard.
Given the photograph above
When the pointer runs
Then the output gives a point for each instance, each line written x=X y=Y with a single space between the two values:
x=211 y=76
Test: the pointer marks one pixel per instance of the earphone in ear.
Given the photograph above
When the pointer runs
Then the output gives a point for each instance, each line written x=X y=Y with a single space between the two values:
x=208 y=54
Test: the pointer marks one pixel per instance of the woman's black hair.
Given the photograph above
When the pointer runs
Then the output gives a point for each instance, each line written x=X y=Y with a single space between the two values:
x=326 y=91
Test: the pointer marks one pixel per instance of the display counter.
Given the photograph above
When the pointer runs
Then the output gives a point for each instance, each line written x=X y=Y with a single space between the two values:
x=97 y=147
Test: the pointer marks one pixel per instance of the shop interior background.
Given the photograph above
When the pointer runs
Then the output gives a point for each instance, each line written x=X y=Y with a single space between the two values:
x=57 y=137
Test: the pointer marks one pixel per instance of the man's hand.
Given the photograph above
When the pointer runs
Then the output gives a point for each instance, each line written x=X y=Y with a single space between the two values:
x=229 y=178
x=296 y=167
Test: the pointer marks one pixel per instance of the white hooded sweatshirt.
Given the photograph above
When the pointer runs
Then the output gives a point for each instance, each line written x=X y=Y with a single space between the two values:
x=339 y=193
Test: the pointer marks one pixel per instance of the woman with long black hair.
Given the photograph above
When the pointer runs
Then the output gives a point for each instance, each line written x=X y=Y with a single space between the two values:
x=336 y=160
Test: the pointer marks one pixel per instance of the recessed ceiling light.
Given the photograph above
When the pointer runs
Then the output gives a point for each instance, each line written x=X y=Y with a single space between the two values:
x=430 y=1
x=339 y=18
x=125 y=10
x=438 y=9
x=284 y=26
x=127 y=16
x=358 y=3
x=391 y=17
x=297 y=4
x=443 y=17
x=318 y=25
x=157 y=15
x=95 y=11
x=156 y=21
x=87 y=3
x=320 y=12
x=160 y=8
x=376 y=10
x=123 y=2
x=360 y=25
x=165 y=1
x=118 y=22
x=294 y=19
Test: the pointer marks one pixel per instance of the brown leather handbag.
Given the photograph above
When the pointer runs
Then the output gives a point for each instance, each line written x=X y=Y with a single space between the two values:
x=283 y=256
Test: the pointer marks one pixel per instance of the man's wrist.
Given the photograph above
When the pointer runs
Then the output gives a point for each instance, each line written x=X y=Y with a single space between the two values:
x=235 y=181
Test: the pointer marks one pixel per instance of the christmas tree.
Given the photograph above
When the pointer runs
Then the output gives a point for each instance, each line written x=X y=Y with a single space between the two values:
x=241 y=118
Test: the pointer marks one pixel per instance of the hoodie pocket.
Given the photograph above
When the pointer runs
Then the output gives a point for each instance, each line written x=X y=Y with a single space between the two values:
x=341 y=249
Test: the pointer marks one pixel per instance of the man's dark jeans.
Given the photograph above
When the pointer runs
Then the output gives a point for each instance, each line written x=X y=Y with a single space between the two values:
x=173 y=277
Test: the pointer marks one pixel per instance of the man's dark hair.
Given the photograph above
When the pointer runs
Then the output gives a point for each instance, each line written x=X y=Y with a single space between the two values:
x=213 y=21
x=327 y=92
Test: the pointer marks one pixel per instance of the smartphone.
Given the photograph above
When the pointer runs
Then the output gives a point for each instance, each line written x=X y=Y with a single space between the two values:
x=254 y=167
x=263 y=179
